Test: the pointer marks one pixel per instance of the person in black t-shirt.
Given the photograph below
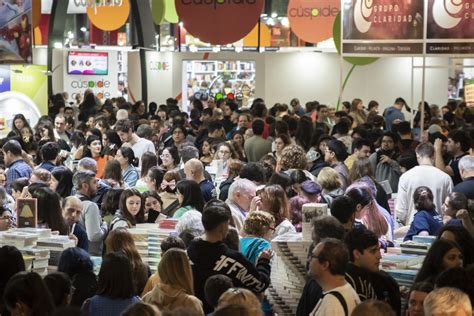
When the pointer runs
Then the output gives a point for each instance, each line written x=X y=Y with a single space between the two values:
x=363 y=271
x=210 y=256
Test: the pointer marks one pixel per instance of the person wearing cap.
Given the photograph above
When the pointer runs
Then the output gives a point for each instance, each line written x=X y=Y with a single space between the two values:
x=311 y=190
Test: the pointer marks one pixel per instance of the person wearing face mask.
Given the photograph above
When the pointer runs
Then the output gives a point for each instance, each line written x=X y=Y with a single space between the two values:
x=131 y=210
x=384 y=161
x=94 y=151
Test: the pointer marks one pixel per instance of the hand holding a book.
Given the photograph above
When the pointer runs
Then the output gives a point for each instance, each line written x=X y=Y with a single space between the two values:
x=73 y=237
x=265 y=254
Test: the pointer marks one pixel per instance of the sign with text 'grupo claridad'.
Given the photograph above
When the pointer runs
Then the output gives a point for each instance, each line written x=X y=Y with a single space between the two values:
x=450 y=27
x=219 y=22
x=382 y=27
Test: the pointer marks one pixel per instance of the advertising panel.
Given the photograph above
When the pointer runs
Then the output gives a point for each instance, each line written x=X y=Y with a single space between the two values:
x=15 y=31
x=382 y=27
x=87 y=63
x=104 y=84
x=450 y=27
x=313 y=20
x=23 y=89
x=469 y=92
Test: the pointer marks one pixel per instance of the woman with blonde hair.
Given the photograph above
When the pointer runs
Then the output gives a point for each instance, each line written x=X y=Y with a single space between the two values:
x=121 y=240
x=176 y=287
x=331 y=184
x=239 y=296
x=272 y=199
x=258 y=229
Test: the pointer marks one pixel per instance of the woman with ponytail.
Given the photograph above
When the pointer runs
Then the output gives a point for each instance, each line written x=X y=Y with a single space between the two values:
x=426 y=221
x=368 y=212
x=26 y=294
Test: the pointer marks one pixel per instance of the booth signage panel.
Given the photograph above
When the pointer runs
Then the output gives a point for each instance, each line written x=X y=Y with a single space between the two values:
x=382 y=27
x=4 y=78
x=219 y=22
x=104 y=86
x=159 y=75
x=313 y=20
x=450 y=27
x=469 y=92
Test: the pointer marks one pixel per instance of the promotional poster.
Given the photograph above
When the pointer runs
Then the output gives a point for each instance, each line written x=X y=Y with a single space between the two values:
x=378 y=27
x=15 y=31
x=450 y=27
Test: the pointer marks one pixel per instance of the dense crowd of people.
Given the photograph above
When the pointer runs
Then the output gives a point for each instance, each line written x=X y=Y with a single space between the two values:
x=234 y=179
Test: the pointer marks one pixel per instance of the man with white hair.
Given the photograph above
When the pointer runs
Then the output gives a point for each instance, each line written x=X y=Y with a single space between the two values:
x=447 y=301
x=466 y=169
x=194 y=170
x=241 y=193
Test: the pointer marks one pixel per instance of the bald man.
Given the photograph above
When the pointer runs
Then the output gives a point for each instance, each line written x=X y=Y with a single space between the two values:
x=72 y=209
x=194 y=170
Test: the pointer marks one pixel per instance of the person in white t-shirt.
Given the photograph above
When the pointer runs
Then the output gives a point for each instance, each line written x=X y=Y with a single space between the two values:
x=124 y=129
x=425 y=174
x=328 y=264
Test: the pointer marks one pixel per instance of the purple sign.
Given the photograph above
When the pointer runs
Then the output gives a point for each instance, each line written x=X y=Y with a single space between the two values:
x=4 y=78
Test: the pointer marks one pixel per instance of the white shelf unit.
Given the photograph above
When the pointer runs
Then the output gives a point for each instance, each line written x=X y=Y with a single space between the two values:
x=225 y=76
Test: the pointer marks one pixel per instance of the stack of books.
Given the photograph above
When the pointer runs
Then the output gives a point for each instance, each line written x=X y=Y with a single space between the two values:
x=411 y=247
x=400 y=261
x=148 y=238
x=18 y=239
x=55 y=245
x=288 y=272
x=39 y=260
x=403 y=277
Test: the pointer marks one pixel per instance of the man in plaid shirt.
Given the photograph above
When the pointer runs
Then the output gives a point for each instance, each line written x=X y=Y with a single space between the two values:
x=17 y=167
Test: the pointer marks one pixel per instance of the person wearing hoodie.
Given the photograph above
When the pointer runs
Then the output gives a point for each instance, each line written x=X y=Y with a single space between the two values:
x=176 y=287
x=210 y=256
x=394 y=114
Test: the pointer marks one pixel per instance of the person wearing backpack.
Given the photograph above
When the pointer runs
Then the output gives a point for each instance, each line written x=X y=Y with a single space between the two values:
x=328 y=264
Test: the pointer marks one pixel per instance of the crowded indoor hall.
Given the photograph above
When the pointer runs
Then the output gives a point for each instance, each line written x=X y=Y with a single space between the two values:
x=287 y=159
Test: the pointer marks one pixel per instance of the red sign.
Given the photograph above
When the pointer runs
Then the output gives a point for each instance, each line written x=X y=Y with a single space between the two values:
x=313 y=20
x=219 y=22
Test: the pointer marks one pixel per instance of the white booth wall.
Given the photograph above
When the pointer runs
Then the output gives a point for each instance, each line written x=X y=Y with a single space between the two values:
x=282 y=76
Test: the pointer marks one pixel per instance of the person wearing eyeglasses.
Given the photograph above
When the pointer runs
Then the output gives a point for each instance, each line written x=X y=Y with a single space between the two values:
x=328 y=266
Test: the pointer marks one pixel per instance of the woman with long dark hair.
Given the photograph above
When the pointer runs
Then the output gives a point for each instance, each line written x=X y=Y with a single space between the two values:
x=116 y=289
x=18 y=123
x=88 y=107
x=189 y=196
x=131 y=210
x=442 y=255
x=94 y=151
x=26 y=294
x=121 y=240
x=61 y=181
x=49 y=210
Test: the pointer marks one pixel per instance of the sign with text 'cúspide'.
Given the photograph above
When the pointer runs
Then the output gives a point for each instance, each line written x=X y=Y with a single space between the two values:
x=219 y=22
x=313 y=20
x=450 y=27
x=382 y=27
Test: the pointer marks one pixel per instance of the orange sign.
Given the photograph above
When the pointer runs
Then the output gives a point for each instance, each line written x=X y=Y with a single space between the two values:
x=219 y=21
x=312 y=20
x=108 y=15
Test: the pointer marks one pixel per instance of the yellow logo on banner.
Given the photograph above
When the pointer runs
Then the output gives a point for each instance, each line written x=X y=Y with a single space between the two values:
x=108 y=15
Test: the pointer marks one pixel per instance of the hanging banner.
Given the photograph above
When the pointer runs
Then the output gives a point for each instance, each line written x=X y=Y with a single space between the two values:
x=450 y=27
x=313 y=20
x=382 y=27
x=15 y=31
x=219 y=22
